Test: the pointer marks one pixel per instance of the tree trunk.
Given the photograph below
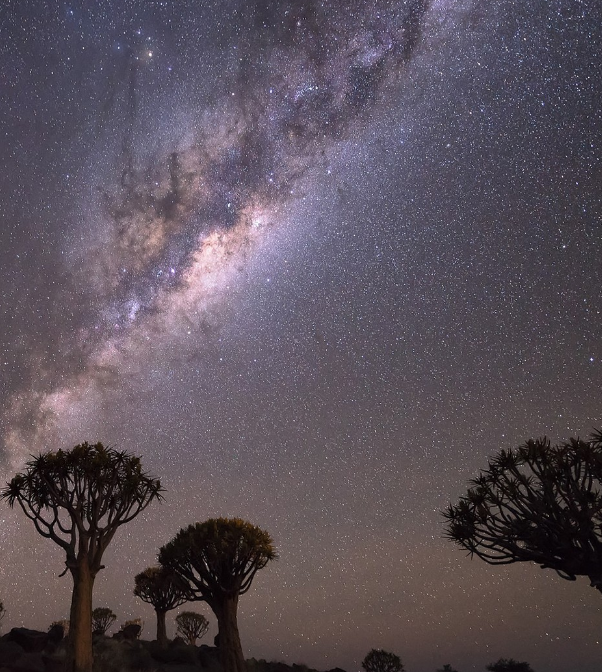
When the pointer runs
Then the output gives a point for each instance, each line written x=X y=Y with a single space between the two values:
x=80 y=623
x=231 y=655
x=161 y=629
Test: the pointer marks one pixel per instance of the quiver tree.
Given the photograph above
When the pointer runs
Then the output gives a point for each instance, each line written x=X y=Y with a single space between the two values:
x=537 y=503
x=78 y=498
x=165 y=590
x=102 y=619
x=378 y=660
x=218 y=559
x=191 y=626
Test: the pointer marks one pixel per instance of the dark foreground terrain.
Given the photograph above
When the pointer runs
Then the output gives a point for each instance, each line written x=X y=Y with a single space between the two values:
x=23 y=650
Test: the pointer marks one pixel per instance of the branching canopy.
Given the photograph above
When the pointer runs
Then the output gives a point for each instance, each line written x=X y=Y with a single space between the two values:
x=162 y=588
x=218 y=558
x=538 y=503
x=378 y=660
x=78 y=498
x=102 y=619
x=191 y=626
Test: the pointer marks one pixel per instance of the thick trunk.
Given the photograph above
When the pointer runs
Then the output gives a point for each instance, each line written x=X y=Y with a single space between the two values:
x=229 y=640
x=161 y=629
x=80 y=623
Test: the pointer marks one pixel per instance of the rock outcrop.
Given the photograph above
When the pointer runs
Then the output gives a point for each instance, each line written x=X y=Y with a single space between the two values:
x=23 y=650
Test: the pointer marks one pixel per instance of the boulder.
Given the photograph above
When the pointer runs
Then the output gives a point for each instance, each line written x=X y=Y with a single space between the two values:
x=55 y=662
x=130 y=632
x=10 y=651
x=29 y=662
x=209 y=657
x=56 y=633
x=114 y=655
x=32 y=641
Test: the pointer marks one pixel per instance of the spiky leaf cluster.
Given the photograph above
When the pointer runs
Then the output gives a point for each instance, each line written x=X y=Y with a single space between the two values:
x=82 y=494
x=219 y=557
x=162 y=588
x=537 y=503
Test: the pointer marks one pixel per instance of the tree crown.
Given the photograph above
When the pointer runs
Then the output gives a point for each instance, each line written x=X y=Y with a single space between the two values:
x=191 y=625
x=538 y=503
x=378 y=660
x=102 y=619
x=161 y=587
x=84 y=493
x=219 y=557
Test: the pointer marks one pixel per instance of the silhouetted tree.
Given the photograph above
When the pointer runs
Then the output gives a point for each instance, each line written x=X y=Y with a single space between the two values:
x=2 y=611
x=102 y=619
x=78 y=498
x=378 y=660
x=191 y=626
x=538 y=503
x=509 y=665
x=165 y=590
x=447 y=668
x=219 y=559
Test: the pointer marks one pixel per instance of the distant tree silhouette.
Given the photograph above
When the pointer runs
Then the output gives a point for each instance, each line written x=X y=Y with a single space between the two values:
x=78 y=498
x=378 y=660
x=191 y=626
x=447 y=668
x=509 y=665
x=538 y=503
x=102 y=619
x=165 y=590
x=219 y=559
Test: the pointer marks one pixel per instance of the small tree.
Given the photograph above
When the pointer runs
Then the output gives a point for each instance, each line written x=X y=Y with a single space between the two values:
x=538 y=503
x=102 y=619
x=378 y=660
x=447 y=668
x=165 y=591
x=218 y=559
x=191 y=626
x=509 y=665
x=78 y=498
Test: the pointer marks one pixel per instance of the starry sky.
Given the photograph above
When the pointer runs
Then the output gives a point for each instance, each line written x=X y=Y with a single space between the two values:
x=314 y=262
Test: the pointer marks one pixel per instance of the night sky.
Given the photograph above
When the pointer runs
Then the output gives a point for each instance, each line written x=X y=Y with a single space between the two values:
x=314 y=262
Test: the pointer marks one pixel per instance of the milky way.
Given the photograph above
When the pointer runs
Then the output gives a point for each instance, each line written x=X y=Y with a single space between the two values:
x=314 y=262
x=176 y=223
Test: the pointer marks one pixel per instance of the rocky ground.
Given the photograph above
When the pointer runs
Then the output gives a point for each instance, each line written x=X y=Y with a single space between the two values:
x=23 y=650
